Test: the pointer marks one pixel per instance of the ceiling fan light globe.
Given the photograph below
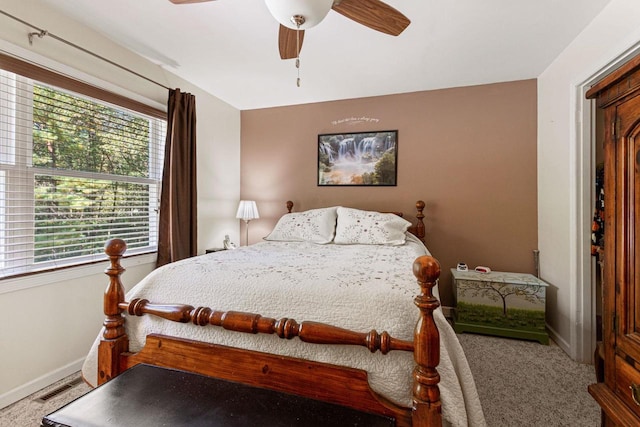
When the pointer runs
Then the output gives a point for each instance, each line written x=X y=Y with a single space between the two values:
x=313 y=11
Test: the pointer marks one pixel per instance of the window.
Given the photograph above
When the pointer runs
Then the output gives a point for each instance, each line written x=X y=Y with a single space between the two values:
x=75 y=171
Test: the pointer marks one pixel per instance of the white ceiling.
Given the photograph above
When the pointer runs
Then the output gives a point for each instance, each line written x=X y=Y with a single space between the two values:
x=229 y=47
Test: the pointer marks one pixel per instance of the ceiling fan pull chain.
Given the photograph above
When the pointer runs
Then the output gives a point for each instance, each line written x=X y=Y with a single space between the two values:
x=298 y=55
x=298 y=20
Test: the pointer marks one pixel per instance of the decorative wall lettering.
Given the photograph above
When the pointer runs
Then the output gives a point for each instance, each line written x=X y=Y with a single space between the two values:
x=354 y=120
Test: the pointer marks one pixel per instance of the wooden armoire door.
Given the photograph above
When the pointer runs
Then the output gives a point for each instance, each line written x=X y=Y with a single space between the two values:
x=619 y=396
x=624 y=235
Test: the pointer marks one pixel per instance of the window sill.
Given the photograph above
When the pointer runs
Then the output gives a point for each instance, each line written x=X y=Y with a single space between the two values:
x=49 y=277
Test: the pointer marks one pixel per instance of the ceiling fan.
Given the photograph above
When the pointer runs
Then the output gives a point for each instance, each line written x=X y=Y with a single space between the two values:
x=295 y=16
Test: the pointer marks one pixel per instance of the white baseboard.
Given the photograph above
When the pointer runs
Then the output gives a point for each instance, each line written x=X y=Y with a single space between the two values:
x=562 y=343
x=33 y=386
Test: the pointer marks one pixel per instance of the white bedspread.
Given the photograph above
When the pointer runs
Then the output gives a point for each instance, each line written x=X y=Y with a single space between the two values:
x=358 y=287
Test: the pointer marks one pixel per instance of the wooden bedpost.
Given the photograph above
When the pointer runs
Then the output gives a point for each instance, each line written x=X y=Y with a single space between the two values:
x=114 y=341
x=419 y=229
x=427 y=410
x=289 y=206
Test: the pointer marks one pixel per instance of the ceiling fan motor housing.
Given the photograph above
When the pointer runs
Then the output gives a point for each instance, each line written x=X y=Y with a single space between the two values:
x=313 y=11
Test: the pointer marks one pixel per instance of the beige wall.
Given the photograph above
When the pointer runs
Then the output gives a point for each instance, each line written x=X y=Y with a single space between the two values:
x=469 y=153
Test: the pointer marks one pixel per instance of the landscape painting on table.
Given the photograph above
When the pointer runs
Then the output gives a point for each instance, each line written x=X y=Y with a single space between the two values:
x=365 y=158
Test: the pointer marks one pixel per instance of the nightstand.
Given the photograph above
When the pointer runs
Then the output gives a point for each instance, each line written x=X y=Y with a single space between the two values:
x=211 y=250
x=502 y=304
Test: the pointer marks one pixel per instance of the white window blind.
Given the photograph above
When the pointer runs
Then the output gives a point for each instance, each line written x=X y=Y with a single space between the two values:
x=74 y=172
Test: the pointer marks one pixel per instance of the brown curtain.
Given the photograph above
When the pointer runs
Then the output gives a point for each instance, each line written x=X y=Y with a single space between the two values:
x=177 y=234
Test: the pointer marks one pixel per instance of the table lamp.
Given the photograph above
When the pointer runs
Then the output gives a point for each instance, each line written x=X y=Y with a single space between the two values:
x=247 y=210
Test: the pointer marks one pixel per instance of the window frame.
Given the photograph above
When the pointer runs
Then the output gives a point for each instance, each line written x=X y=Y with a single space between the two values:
x=57 y=80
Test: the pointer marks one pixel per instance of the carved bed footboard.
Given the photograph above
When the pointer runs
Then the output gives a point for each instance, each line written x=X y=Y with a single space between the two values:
x=346 y=386
x=322 y=381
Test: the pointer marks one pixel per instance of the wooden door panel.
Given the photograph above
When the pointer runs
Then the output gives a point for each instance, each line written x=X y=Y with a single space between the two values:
x=627 y=228
x=634 y=280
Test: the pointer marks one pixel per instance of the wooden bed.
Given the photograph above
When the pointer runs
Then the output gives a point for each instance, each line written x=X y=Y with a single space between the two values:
x=321 y=381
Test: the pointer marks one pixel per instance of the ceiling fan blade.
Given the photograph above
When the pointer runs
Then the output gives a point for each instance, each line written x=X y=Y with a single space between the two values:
x=374 y=14
x=188 y=1
x=287 y=42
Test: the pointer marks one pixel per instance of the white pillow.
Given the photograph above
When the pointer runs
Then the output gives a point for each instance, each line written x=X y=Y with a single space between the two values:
x=369 y=228
x=315 y=225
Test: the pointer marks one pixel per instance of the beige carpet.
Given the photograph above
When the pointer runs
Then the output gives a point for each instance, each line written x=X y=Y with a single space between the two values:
x=523 y=383
x=520 y=384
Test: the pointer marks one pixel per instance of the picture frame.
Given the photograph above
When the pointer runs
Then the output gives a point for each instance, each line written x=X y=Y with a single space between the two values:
x=358 y=159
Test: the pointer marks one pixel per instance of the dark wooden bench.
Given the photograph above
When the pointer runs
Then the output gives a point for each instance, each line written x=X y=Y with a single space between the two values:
x=147 y=395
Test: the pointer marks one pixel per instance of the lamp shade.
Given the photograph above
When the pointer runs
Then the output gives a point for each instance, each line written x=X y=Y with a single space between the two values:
x=247 y=210
x=313 y=11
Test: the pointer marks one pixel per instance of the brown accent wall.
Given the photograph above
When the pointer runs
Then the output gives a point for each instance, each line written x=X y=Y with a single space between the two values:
x=468 y=152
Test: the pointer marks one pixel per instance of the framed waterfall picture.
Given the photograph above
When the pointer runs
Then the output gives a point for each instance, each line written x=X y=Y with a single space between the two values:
x=357 y=159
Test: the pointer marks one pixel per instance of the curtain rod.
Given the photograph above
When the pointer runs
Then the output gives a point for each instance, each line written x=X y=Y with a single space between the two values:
x=41 y=33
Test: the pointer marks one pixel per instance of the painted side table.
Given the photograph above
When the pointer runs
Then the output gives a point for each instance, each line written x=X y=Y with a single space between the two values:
x=502 y=304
